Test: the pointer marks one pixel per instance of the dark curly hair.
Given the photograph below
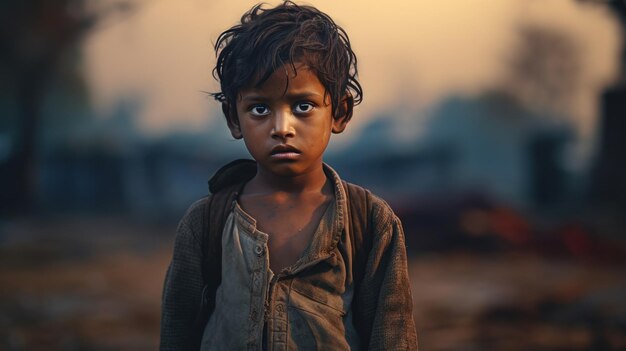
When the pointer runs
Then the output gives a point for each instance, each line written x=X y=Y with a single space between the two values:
x=248 y=53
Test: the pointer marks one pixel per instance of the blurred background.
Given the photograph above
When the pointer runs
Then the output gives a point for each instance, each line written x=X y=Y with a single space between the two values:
x=496 y=129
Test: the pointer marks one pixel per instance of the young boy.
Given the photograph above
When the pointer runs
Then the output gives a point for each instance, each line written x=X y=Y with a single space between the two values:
x=284 y=255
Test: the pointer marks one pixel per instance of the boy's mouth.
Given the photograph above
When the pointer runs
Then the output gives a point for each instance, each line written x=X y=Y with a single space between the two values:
x=285 y=151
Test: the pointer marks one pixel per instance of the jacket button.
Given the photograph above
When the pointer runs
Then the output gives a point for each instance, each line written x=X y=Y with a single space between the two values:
x=258 y=250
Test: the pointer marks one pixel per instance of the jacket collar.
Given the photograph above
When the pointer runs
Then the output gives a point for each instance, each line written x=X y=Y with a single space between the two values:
x=241 y=171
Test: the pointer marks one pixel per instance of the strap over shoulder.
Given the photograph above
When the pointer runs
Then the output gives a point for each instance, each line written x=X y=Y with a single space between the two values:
x=236 y=172
x=359 y=217
x=224 y=187
x=359 y=229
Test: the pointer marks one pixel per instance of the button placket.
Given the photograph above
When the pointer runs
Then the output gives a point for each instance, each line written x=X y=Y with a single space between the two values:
x=279 y=318
x=280 y=310
x=257 y=287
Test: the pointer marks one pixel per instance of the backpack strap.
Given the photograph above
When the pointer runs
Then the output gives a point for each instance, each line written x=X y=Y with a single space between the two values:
x=216 y=210
x=225 y=186
x=358 y=227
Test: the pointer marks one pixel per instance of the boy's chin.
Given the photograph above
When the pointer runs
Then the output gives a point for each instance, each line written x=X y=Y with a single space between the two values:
x=284 y=169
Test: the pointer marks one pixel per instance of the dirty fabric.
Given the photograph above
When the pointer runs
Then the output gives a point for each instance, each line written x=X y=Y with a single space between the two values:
x=307 y=306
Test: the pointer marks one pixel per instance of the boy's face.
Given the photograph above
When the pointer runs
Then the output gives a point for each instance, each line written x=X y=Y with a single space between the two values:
x=287 y=121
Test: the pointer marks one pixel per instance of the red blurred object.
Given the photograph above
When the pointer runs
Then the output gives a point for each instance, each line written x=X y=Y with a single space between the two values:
x=510 y=226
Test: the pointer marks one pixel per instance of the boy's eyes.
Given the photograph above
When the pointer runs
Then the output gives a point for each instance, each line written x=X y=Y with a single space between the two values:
x=303 y=107
x=260 y=110
x=263 y=110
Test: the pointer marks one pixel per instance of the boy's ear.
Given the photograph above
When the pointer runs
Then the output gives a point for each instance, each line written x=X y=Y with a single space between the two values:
x=344 y=114
x=232 y=121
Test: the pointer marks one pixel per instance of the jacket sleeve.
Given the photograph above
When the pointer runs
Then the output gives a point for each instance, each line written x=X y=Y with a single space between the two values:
x=385 y=293
x=182 y=290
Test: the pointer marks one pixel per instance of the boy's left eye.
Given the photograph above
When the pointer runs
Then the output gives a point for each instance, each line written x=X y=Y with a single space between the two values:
x=303 y=107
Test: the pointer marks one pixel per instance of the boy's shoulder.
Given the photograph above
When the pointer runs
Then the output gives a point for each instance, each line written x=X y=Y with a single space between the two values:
x=380 y=212
x=229 y=177
x=192 y=220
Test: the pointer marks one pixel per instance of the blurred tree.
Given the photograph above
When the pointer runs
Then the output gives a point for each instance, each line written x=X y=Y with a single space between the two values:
x=545 y=70
x=34 y=37
x=608 y=188
x=618 y=8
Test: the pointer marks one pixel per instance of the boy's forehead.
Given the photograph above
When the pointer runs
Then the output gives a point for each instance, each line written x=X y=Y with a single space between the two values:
x=284 y=73
x=299 y=76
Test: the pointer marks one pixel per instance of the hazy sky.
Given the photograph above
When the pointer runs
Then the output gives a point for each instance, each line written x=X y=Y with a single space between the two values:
x=411 y=54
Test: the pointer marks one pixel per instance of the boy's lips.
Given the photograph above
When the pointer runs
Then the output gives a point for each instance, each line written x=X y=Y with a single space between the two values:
x=284 y=149
x=285 y=152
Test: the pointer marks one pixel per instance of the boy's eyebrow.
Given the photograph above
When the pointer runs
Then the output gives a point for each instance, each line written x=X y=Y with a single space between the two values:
x=295 y=96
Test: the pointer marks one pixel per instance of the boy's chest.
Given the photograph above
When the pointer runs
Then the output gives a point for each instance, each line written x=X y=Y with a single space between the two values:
x=302 y=308
x=290 y=227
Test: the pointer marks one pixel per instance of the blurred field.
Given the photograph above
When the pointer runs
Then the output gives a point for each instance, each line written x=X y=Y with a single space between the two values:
x=518 y=302
x=65 y=289
x=74 y=290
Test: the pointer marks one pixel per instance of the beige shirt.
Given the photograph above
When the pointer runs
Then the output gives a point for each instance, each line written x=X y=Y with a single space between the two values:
x=306 y=306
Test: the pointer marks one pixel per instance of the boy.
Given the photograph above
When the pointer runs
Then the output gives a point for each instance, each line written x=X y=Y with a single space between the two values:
x=284 y=255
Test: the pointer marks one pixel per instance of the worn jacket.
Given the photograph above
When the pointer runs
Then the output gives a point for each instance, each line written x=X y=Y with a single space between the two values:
x=317 y=292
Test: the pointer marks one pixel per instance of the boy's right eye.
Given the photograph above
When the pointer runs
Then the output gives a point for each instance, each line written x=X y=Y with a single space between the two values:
x=259 y=110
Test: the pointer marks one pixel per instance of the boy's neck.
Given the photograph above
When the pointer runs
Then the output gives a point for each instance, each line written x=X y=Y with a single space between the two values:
x=265 y=182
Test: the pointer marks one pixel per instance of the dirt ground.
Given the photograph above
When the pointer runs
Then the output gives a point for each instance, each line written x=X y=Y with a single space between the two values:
x=68 y=290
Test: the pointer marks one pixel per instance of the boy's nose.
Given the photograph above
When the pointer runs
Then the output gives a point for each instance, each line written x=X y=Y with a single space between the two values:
x=283 y=125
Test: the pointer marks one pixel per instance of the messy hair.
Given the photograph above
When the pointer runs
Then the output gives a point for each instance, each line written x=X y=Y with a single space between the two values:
x=250 y=52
